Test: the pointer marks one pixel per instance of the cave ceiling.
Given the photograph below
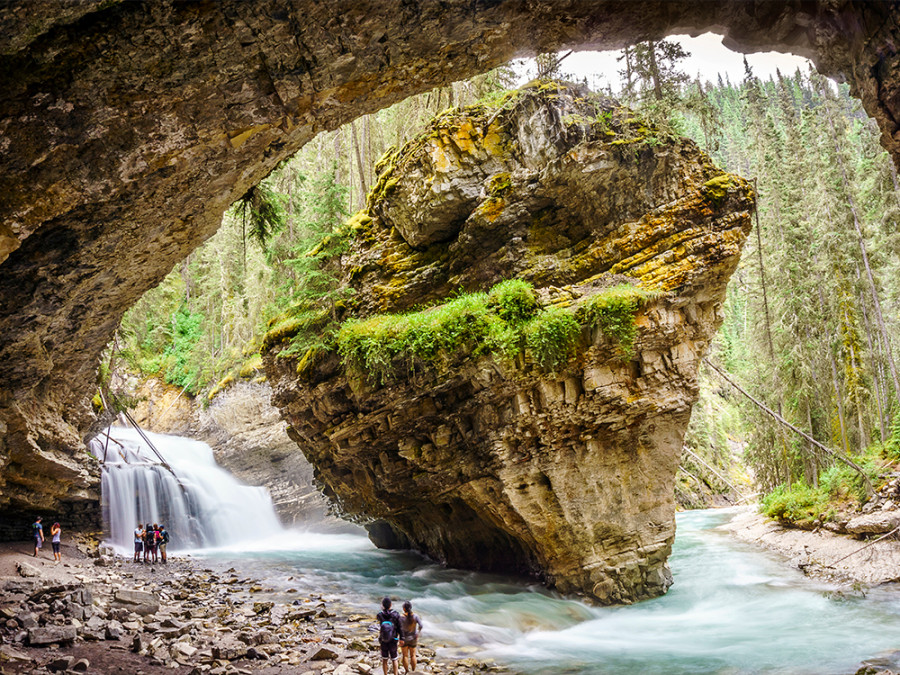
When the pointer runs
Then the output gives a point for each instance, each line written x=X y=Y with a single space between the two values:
x=127 y=129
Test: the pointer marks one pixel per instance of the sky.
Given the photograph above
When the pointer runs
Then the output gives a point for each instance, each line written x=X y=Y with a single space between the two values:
x=709 y=57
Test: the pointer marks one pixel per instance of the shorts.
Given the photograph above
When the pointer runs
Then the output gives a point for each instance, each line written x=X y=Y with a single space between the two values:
x=411 y=643
x=162 y=548
x=389 y=650
x=55 y=546
x=138 y=547
x=38 y=542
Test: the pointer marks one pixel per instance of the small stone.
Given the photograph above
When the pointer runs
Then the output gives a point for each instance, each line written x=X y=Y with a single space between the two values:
x=114 y=630
x=323 y=654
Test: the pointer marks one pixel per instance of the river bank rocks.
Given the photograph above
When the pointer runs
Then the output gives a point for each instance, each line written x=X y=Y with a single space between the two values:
x=187 y=617
x=509 y=460
x=841 y=558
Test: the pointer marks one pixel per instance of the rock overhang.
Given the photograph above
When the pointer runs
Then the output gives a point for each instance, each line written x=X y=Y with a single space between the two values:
x=128 y=128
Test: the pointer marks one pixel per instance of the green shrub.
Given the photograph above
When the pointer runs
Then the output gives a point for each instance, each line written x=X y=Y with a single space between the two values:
x=891 y=448
x=798 y=504
x=514 y=300
x=614 y=310
x=551 y=337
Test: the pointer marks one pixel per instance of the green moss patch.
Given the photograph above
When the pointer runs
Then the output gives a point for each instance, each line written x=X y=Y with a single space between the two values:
x=614 y=312
x=505 y=322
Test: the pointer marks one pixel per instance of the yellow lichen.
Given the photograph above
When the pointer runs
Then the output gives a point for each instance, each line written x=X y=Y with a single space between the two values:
x=491 y=208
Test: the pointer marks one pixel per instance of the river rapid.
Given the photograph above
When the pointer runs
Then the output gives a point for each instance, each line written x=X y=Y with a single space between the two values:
x=733 y=609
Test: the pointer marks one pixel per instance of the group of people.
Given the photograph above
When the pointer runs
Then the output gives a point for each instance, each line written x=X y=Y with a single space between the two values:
x=150 y=540
x=398 y=631
x=37 y=531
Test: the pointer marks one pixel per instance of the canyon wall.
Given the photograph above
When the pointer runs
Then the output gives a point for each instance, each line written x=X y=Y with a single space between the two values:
x=485 y=454
x=127 y=128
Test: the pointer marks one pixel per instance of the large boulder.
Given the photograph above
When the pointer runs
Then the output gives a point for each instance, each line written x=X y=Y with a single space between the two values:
x=498 y=457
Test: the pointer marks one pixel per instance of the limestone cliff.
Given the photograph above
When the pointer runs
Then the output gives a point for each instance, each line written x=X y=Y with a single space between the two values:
x=127 y=128
x=488 y=454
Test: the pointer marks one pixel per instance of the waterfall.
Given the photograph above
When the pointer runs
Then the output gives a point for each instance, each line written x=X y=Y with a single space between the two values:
x=201 y=504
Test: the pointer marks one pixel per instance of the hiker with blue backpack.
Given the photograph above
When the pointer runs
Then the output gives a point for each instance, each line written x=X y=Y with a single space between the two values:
x=388 y=635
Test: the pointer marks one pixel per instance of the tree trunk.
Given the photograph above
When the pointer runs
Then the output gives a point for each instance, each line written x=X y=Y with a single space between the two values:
x=361 y=183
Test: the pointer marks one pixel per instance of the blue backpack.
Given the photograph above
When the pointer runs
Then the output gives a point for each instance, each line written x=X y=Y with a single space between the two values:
x=387 y=632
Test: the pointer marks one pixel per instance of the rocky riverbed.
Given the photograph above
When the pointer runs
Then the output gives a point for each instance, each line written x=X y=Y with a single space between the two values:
x=109 y=615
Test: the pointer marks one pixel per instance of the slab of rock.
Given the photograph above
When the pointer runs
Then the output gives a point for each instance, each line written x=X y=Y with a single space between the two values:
x=229 y=649
x=51 y=634
x=322 y=654
x=879 y=522
x=26 y=570
x=139 y=602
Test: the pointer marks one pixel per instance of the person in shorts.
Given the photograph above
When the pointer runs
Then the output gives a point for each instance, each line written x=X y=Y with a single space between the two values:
x=55 y=536
x=410 y=627
x=138 y=542
x=388 y=635
x=163 y=542
x=37 y=531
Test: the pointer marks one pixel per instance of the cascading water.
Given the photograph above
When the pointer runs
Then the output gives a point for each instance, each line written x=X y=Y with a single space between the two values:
x=201 y=504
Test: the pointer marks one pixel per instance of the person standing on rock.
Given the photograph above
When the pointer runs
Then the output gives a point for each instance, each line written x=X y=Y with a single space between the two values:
x=138 y=542
x=388 y=635
x=55 y=536
x=163 y=542
x=37 y=531
x=410 y=627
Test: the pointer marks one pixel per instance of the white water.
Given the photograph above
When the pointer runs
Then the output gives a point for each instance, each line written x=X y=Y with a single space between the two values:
x=201 y=504
x=734 y=610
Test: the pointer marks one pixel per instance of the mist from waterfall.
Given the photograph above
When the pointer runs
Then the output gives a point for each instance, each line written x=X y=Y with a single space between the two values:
x=201 y=504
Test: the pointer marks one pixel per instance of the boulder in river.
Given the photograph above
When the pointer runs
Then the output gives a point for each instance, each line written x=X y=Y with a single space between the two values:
x=534 y=424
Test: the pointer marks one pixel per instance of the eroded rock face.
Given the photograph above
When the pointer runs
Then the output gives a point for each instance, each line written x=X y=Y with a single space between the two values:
x=127 y=128
x=493 y=463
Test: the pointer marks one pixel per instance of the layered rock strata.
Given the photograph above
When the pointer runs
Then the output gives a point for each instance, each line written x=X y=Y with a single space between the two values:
x=126 y=129
x=495 y=462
